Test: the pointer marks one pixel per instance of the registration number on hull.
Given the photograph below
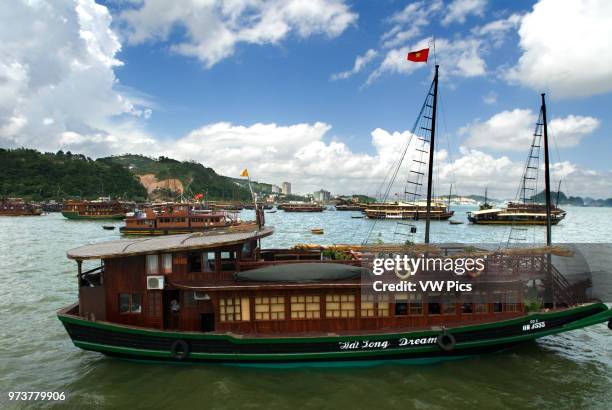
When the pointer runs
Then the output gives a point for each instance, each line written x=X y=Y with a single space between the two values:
x=534 y=324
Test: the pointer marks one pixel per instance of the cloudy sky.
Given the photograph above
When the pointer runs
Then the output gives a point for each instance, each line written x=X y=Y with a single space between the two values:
x=316 y=92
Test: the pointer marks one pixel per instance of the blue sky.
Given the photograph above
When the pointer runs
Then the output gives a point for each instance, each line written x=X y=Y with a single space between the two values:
x=259 y=84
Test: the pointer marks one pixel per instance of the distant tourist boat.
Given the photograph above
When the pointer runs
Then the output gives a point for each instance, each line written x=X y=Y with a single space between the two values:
x=516 y=214
x=350 y=207
x=408 y=210
x=301 y=207
x=317 y=231
x=102 y=208
x=176 y=219
x=18 y=207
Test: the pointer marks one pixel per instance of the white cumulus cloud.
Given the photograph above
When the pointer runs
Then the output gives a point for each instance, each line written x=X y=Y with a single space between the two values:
x=360 y=63
x=57 y=73
x=213 y=29
x=513 y=130
x=458 y=10
x=566 y=48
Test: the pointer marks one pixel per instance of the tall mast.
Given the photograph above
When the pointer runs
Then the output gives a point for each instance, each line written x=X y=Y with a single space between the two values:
x=450 y=191
x=431 y=154
x=546 y=174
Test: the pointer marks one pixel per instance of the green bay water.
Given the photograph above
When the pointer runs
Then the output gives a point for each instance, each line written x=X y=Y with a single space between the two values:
x=572 y=370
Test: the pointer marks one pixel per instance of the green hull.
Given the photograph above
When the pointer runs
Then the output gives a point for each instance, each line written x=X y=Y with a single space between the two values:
x=149 y=344
x=76 y=215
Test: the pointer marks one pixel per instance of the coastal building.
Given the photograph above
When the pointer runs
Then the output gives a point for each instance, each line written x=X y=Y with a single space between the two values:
x=322 y=195
x=276 y=189
x=286 y=188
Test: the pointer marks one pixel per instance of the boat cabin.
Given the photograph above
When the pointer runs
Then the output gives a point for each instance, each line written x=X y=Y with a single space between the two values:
x=225 y=282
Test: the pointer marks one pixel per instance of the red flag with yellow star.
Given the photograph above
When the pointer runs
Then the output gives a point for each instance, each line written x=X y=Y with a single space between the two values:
x=419 y=56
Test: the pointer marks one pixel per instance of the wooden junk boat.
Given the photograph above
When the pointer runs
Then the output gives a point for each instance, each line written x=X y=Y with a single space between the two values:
x=350 y=207
x=516 y=213
x=526 y=211
x=102 y=208
x=408 y=210
x=176 y=219
x=301 y=207
x=220 y=297
x=18 y=207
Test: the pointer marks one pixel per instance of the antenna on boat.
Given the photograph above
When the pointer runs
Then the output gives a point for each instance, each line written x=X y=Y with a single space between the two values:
x=431 y=154
x=546 y=175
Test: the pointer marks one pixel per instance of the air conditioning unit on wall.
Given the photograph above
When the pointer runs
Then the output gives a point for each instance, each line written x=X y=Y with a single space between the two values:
x=155 y=282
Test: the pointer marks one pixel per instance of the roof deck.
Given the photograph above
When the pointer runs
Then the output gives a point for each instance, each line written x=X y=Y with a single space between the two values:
x=140 y=246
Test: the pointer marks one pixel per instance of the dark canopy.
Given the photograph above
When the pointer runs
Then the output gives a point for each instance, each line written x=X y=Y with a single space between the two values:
x=300 y=273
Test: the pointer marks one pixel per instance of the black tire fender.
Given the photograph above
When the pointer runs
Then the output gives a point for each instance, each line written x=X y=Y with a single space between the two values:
x=446 y=341
x=610 y=324
x=179 y=350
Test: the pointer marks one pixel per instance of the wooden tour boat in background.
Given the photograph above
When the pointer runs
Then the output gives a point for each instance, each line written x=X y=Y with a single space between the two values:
x=350 y=207
x=18 y=207
x=177 y=219
x=221 y=297
x=408 y=211
x=102 y=208
x=301 y=207
x=516 y=214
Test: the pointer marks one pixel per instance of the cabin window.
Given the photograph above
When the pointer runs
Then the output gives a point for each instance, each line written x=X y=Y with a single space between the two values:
x=136 y=305
x=449 y=307
x=480 y=302
x=374 y=305
x=305 y=307
x=498 y=305
x=512 y=301
x=401 y=305
x=368 y=306
x=167 y=263
x=467 y=308
x=415 y=308
x=234 y=309
x=124 y=303
x=152 y=264
x=228 y=261
x=340 y=306
x=210 y=261
x=246 y=249
x=434 y=305
x=383 y=305
x=130 y=303
x=270 y=308
x=195 y=262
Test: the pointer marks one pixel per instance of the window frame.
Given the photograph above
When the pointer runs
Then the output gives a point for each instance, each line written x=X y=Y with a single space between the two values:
x=148 y=259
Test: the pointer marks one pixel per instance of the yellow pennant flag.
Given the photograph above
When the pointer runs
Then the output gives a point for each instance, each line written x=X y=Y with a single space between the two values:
x=245 y=173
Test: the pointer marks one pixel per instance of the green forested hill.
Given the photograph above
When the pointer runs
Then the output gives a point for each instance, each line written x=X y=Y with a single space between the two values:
x=34 y=175
x=195 y=177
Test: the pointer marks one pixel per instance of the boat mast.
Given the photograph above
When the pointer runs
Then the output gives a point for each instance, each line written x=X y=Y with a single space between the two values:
x=431 y=154
x=450 y=191
x=546 y=174
x=558 y=193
